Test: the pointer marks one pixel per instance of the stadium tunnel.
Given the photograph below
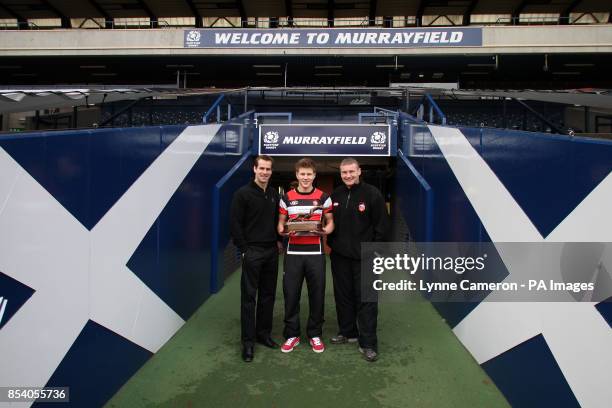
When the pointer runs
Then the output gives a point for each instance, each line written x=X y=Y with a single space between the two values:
x=142 y=210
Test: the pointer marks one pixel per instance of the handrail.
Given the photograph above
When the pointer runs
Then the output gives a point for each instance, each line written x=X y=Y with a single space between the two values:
x=212 y=108
x=362 y=115
x=435 y=106
x=541 y=117
x=427 y=100
x=216 y=209
x=378 y=109
x=428 y=195
x=289 y=116
x=242 y=115
x=378 y=113
x=410 y=117
x=122 y=111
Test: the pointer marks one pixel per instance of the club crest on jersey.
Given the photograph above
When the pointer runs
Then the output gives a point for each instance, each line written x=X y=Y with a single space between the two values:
x=315 y=202
x=361 y=207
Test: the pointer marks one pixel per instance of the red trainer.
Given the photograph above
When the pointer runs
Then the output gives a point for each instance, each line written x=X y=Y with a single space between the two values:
x=317 y=345
x=290 y=344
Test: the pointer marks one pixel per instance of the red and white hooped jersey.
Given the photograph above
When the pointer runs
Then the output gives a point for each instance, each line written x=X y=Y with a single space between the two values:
x=293 y=204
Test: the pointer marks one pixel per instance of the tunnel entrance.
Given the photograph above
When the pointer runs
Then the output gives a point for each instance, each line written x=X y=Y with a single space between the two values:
x=377 y=171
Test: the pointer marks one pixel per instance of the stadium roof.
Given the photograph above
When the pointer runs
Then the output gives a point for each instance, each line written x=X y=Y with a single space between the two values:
x=29 y=99
x=154 y=9
x=22 y=100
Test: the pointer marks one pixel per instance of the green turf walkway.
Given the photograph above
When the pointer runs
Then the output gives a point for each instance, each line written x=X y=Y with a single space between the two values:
x=421 y=364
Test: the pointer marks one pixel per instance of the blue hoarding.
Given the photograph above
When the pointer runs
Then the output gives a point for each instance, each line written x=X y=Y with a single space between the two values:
x=325 y=140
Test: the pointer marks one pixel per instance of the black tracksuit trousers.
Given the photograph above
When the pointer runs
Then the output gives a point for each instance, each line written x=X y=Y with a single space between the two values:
x=257 y=292
x=298 y=267
x=355 y=318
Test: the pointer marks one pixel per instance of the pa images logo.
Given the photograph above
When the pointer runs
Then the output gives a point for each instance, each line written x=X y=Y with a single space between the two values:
x=192 y=38
x=378 y=140
x=270 y=140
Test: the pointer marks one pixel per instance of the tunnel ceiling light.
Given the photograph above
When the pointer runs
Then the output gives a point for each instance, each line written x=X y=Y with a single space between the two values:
x=389 y=66
x=481 y=65
x=328 y=66
x=266 y=66
x=92 y=66
x=327 y=74
x=474 y=73
x=268 y=73
x=437 y=75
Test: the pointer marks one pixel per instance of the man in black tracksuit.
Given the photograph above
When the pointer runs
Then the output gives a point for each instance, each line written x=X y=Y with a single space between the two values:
x=254 y=216
x=360 y=215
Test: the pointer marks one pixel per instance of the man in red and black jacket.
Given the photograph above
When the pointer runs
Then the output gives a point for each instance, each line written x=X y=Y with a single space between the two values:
x=254 y=215
x=360 y=215
x=305 y=258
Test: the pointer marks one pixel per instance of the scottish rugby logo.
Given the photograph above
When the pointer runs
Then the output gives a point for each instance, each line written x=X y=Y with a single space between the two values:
x=378 y=140
x=271 y=137
x=192 y=38
x=270 y=140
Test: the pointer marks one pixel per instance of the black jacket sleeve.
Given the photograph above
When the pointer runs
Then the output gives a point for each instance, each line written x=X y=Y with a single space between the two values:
x=380 y=219
x=237 y=218
x=279 y=238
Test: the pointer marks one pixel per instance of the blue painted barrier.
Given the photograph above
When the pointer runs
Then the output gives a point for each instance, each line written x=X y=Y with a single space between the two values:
x=120 y=218
x=549 y=178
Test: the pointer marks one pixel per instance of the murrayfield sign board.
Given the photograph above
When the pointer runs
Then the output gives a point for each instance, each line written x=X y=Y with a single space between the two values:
x=325 y=140
x=334 y=38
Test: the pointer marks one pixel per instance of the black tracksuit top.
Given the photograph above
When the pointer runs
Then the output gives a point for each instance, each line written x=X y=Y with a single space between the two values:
x=253 y=216
x=360 y=215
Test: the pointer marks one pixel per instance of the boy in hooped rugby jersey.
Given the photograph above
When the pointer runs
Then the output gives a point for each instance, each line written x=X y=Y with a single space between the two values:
x=305 y=258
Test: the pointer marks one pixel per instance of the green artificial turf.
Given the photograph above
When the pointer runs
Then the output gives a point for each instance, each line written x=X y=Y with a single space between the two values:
x=421 y=364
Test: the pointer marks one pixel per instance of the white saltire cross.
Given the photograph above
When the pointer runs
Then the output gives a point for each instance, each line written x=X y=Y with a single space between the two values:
x=578 y=336
x=79 y=274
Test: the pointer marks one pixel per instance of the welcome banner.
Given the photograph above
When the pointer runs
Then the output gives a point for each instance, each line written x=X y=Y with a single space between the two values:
x=334 y=38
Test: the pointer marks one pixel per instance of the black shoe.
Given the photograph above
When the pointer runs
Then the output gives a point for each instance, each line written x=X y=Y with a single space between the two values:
x=341 y=339
x=247 y=353
x=369 y=354
x=268 y=343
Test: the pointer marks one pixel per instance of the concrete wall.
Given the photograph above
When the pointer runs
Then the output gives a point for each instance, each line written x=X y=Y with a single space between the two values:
x=169 y=41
